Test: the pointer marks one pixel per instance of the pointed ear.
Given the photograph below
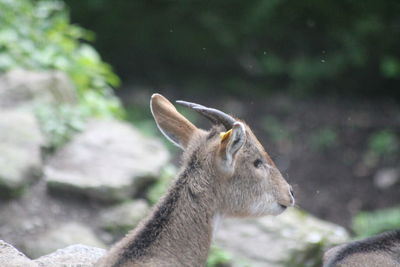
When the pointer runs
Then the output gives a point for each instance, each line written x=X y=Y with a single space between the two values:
x=231 y=142
x=171 y=123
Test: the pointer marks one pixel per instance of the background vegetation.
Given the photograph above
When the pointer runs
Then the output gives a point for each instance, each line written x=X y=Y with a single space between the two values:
x=306 y=47
x=38 y=35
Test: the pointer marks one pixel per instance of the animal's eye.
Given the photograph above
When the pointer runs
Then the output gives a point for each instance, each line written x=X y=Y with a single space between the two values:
x=257 y=163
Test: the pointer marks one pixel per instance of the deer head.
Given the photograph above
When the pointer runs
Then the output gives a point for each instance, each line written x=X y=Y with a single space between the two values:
x=244 y=180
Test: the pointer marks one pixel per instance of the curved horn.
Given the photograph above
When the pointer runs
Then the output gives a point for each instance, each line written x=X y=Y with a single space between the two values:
x=214 y=115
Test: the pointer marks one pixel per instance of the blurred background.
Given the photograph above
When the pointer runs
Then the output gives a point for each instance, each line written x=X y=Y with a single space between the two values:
x=318 y=81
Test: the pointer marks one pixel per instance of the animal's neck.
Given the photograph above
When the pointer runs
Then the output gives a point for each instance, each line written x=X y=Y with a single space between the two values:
x=180 y=228
x=187 y=235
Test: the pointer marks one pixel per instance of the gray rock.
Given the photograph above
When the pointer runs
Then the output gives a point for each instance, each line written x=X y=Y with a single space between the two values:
x=386 y=178
x=291 y=239
x=72 y=256
x=11 y=257
x=60 y=237
x=109 y=161
x=123 y=217
x=21 y=88
x=20 y=145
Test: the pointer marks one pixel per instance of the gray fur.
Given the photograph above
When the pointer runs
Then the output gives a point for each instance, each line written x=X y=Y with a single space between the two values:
x=381 y=250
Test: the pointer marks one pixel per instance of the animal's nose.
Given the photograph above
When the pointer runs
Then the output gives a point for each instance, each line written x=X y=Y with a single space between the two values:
x=291 y=195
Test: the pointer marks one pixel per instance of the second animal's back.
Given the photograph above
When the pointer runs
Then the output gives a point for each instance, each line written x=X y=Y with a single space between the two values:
x=378 y=251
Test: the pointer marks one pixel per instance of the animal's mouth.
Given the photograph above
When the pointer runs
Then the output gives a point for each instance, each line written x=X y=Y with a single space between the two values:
x=283 y=206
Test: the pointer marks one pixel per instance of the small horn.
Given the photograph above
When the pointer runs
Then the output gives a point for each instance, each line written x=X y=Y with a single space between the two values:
x=214 y=115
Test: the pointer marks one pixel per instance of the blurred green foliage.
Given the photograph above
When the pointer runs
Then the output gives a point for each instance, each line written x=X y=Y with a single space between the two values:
x=139 y=116
x=382 y=146
x=383 y=142
x=303 y=46
x=38 y=35
x=218 y=257
x=370 y=223
x=324 y=138
x=60 y=123
x=310 y=256
x=275 y=129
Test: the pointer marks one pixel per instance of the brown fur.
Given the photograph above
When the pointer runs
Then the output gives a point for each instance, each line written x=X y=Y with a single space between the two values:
x=179 y=231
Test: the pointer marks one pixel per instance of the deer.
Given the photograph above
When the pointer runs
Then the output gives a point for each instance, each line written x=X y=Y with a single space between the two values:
x=225 y=172
x=382 y=250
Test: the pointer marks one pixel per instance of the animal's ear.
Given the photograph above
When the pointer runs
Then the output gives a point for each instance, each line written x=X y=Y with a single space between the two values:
x=231 y=142
x=171 y=123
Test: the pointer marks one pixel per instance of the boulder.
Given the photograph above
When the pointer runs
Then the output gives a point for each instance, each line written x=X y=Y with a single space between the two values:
x=20 y=146
x=59 y=237
x=22 y=88
x=386 y=178
x=291 y=239
x=11 y=257
x=108 y=161
x=121 y=218
x=74 y=255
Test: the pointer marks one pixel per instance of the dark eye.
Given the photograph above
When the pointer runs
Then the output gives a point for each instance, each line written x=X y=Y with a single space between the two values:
x=257 y=163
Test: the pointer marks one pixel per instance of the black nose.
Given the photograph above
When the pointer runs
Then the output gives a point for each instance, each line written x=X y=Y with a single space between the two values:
x=291 y=192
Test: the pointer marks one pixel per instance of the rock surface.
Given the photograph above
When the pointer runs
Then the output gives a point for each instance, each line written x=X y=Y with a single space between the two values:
x=60 y=237
x=20 y=145
x=22 y=88
x=285 y=240
x=11 y=257
x=124 y=217
x=75 y=255
x=109 y=161
x=386 y=178
x=72 y=256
